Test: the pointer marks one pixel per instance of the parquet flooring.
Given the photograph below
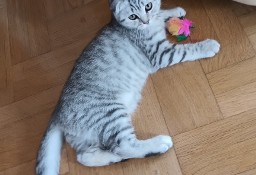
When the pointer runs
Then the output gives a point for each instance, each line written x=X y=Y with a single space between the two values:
x=208 y=106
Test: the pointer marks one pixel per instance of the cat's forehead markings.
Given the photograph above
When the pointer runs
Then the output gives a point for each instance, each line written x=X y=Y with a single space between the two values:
x=138 y=4
x=135 y=4
x=132 y=6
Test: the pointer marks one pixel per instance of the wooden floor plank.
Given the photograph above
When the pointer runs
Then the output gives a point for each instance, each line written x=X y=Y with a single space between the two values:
x=79 y=23
x=53 y=8
x=253 y=40
x=234 y=87
x=6 y=88
x=73 y=4
x=25 y=168
x=39 y=41
x=45 y=71
x=235 y=45
x=241 y=9
x=33 y=85
x=29 y=106
x=237 y=100
x=249 y=23
x=28 y=31
x=225 y=147
x=233 y=77
x=20 y=140
x=250 y=172
x=185 y=97
x=57 y=8
x=28 y=168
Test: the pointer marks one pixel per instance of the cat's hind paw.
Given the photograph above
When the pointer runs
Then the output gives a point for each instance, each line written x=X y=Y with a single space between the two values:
x=160 y=145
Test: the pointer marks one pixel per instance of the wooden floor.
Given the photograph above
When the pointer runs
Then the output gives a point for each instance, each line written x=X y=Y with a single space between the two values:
x=209 y=107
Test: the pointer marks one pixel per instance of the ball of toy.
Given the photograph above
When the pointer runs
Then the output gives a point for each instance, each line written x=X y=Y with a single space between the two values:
x=179 y=27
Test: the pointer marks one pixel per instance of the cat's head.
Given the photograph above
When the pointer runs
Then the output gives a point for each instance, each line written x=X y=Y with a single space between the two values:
x=135 y=14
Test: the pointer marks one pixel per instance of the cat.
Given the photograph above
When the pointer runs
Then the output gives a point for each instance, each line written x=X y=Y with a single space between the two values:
x=94 y=111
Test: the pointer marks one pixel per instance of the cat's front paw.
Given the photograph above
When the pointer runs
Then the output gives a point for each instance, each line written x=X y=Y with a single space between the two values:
x=210 y=47
x=180 y=12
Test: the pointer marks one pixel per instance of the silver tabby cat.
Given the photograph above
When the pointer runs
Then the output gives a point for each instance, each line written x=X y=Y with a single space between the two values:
x=104 y=88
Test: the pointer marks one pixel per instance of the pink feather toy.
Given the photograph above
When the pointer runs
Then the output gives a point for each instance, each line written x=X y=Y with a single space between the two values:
x=179 y=27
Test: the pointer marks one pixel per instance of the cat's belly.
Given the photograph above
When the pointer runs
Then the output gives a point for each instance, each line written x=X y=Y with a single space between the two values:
x=130 y=100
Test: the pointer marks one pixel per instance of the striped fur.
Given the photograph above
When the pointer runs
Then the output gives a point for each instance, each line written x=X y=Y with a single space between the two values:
x=94 y=110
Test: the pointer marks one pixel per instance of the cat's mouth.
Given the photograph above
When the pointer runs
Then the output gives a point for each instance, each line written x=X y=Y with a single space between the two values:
x=143 y=25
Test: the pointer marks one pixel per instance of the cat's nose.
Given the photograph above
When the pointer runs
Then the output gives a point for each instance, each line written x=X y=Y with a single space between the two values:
x=145 y=21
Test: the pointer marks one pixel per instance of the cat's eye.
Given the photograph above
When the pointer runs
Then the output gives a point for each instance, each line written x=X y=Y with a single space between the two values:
x=133 y=17
x=148 y=7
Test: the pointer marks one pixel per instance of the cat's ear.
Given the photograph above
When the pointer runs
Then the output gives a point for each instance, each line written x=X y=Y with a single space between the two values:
x=115 y=5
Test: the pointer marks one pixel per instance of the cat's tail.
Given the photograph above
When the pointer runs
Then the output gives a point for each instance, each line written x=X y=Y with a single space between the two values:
x=48 y=159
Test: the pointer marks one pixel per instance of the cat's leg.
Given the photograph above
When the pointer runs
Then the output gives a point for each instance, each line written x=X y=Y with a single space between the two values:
x=175 y=12
x=116 y=141
x=166 y=54
x=134 y=148
x=126 y=149
x=98 y=157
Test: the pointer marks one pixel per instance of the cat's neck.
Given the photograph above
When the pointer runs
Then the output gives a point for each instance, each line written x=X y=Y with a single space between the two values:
x=134 y=35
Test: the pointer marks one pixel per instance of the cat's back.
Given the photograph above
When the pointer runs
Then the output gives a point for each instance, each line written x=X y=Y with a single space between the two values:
x=108 y=58
x=109 y=66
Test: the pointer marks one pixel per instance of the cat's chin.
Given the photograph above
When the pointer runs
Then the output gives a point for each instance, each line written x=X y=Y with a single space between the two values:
x=143 y=26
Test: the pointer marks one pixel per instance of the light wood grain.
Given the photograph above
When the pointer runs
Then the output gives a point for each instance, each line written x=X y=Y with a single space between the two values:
x=237 y=100
x=20 y=140
x=225 y=147
x=234 y=87
x=233 y=77
x=79 y=23
x=57 y=8
x=235 y=46
x=250 y=172
x=248 y=22
x=6 y=88
x=240 y=9
x=28 y=30
x=45 y=71
x=253 y=40
x=185 y=97
x=28 y=168
x=53 y=9
x=29 y=106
